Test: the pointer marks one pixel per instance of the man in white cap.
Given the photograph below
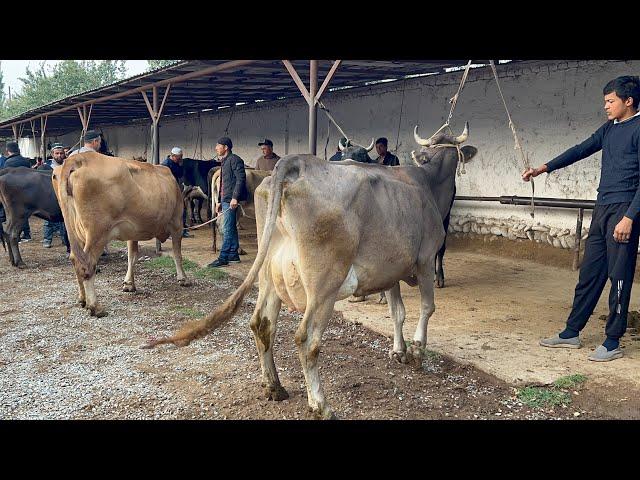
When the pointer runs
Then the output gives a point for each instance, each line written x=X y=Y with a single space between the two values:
x=174 y=163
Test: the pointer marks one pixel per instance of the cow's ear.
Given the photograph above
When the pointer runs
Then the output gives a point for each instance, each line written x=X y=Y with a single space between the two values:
x=469 y=152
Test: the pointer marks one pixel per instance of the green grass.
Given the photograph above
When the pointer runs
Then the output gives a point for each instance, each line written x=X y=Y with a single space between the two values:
x=543 y=397
x=167 y=264
x=118 y=244
x=553 y=395
x=570 y=381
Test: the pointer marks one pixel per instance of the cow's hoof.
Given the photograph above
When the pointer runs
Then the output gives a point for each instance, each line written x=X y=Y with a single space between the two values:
x=400 y=357
x=128 y=287
x=21 y=265
x=323 y=413
x=241 y=251
x=415 y=354
x=82 y=303
x=357 y=299
x=184 y=282
x=98 y=312
x=439 y=281
x=383 y=301
x=276 y=393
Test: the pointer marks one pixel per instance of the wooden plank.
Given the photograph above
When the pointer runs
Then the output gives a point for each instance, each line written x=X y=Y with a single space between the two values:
x=297 y=81
x=327 y=79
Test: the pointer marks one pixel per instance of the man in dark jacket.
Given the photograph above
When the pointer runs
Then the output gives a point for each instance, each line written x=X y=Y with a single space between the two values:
x=338 y=155
x=174 y=163
x=233 y=189
x=612 y=244
x=385 y=157
x=14 y=159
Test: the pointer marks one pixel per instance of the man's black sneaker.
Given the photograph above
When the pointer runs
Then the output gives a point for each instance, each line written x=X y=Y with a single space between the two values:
x=234 y=260
x=218 y=263
x=186 y=234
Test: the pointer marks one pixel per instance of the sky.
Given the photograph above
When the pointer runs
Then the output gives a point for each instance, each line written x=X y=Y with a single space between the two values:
x=13 y=69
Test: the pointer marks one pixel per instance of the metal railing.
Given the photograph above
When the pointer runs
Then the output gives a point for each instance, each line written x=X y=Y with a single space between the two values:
x=581 y=205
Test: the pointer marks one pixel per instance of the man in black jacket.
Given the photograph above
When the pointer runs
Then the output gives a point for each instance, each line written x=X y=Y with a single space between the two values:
x=612 y=245
x=14 y=159
x=233 y=189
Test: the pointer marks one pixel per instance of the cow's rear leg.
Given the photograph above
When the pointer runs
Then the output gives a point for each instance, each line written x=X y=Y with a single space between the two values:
x=12 y=237
x=176 y=241
x=308 y=339
x=93 y=253
x=82 y=297
x=396 y=308
x=263 y=324
x=132 y=255
x=427 y=307
x=439 y=280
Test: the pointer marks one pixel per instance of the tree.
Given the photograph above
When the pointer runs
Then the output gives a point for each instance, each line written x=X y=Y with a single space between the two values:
x=153 y=64
x=68 y=77
x=1 y=92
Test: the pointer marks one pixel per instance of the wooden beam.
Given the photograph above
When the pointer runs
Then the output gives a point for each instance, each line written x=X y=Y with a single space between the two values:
x=149 y=107
x=164 y=98
x=327 y=79
x=298 y=82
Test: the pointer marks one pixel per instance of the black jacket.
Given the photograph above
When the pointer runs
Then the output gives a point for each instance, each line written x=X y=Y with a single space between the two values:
x=234 y=179
x=176 y=170
x=17 y=160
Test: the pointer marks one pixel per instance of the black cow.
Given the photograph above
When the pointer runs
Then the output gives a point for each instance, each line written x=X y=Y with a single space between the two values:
x=351 y=151
x=25 y=192
x=441 y=163
x=196 y=175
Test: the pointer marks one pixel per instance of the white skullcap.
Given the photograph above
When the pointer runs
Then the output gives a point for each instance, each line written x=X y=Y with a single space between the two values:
x=176 y=151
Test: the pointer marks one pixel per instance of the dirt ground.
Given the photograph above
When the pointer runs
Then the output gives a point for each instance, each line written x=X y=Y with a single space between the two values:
x=56 y=362
x=491 y=315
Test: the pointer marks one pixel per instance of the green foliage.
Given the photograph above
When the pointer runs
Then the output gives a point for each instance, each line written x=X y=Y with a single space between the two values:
x=153 y=64
x=43 y=85
x=2 y=97
x=543 y=397
x=570 y=381
x=211 y=274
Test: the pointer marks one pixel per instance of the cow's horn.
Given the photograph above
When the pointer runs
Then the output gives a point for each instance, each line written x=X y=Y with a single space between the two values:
x=464 y=135
x=419 y=140
x=370 y=147
x=341 y=146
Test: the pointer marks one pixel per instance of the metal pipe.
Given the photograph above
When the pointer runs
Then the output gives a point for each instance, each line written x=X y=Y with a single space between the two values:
x=576 y=251
x=313 y=108
x=538 y=201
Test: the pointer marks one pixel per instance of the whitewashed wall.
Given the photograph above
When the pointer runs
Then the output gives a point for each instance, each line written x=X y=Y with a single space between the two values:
x=553 y=104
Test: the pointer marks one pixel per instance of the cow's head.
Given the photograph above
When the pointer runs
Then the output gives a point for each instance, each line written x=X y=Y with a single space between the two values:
x=449 y=155
x=352 y=151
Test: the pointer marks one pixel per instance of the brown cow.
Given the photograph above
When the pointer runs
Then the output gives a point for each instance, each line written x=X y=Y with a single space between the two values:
x=109 y=198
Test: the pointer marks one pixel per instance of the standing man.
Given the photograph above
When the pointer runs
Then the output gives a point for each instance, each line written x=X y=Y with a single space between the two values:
x=174 y=162
x=612 y=245
x=49 y=228
x=92 y=141
x=268 y=159
x=14 y=159
x=384 y=156
x=233 y=189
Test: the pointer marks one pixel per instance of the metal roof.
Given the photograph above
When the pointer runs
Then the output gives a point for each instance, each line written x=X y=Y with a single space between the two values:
x=235 y=82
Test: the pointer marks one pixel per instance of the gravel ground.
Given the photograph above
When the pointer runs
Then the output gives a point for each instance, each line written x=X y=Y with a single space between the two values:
x=57 y=362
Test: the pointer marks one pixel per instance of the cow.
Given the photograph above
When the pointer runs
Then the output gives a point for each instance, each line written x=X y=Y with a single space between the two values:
x=25 y=192
x=196 y=175
x=441 y=163
x=109 y=198
x=352 y=151
x=321 y=229
x=193 y=198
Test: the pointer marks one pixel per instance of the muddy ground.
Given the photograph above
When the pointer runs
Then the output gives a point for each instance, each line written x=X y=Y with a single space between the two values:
x=56 y=362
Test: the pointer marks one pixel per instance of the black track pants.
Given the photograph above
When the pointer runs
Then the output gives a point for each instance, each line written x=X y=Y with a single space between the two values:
x=605 y=258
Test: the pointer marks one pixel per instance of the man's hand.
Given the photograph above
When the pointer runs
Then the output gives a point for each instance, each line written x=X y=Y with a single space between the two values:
x=622 y=232
x=233 y=204
x=533 y=172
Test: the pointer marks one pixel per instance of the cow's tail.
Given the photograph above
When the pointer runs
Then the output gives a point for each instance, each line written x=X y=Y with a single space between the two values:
x=67 y=205
x=225 y=312
x=2 y=237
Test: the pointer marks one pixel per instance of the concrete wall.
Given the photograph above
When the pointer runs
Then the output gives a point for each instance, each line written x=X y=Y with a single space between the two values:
x=554 y=105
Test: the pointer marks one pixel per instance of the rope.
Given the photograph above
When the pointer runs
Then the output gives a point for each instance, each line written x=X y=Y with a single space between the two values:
x=404 y=86
x=454 y=99
x=226 y=130
x=326 y=111
x=525 y=158
x=216 y=218
x=460 y=170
